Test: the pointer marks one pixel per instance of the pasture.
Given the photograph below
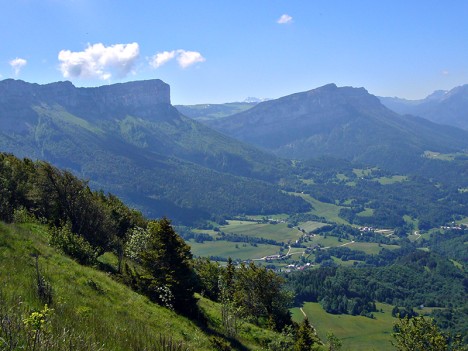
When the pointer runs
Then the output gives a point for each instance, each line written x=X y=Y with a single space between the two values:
x=278 y=232
x=371 y=248
x=226 y=249
x=323 y=209
x=310 y=225
x=356 y=332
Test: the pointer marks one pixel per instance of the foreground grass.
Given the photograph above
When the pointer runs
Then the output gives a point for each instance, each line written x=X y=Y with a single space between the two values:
x=356 y=332
x=105 y=314
x=86 y=300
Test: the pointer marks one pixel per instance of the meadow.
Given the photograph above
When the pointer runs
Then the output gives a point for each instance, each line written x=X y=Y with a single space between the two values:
x=323 y=209
x=279 y=232
x=88 y=310
x=87 y=304
x=242 y=251
x=355 y=332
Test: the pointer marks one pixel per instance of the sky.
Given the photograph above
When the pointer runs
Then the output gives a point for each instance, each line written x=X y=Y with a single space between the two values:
x=216 y=51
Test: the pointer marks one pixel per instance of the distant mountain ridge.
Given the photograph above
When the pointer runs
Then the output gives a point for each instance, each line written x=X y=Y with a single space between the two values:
x=342 y=122
x=128 y=139
x=442 y=106
x=205 y=112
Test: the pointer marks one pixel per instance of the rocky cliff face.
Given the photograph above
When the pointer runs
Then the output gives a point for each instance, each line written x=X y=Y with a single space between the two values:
x=20 y=102
x=132 y=95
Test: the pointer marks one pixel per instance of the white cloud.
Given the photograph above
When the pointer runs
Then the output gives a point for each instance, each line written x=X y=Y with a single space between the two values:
x=188 y=58
x=184 y=58
x=284 y=19
x=161 y=58
x=99 y=61
x=445 y=72
x=17 y=64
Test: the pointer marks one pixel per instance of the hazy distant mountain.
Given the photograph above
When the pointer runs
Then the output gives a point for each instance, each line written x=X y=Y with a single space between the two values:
x=205 y=112
x=128 y=139
x=342 y=122
x=444 y=107
x=255 y=100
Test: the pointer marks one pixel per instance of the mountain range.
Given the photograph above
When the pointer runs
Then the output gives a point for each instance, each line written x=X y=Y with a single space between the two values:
x=442 y=106
x=341 y=122
x=129 y=139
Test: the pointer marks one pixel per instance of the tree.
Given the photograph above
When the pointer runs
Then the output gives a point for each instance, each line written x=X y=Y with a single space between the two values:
x=231 y=312
x=306 y=338
x=422 y=334
x=333 y=343
x=167 y=260
x=260 y=291
x=208 y=274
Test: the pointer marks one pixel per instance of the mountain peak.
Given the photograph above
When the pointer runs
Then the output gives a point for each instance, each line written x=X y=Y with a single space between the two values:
x=330 y=86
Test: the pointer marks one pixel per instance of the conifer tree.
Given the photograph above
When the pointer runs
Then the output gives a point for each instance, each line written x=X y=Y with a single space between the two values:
x=306 y=339
x=168 y=262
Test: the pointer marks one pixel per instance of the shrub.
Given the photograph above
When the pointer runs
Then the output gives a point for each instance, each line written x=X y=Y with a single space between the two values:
x=73 y=245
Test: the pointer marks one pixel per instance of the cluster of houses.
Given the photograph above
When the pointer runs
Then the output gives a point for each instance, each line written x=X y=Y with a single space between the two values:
x=296 y=267
x=452 y=227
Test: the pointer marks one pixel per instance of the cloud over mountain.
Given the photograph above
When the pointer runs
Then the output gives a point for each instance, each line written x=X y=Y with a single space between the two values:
x=99 y=61
x=17 y=64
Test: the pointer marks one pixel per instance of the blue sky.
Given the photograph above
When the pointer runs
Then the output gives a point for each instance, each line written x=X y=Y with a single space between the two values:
x=213 y=51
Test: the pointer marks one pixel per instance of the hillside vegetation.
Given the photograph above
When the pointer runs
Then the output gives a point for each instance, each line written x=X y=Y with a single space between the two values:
x=124 y=277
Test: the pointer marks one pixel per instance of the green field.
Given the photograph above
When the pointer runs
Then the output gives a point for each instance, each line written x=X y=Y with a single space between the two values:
x=310 y=225
x=329 y=241
x=392 y=179
x=356 y=332
x=277 y=217
x=230 y=249
x=279 y=232
x=323 y=209
x=361 y=172
x=206 y=231
x=371 y=248
x=439 y=156
x=368 y=212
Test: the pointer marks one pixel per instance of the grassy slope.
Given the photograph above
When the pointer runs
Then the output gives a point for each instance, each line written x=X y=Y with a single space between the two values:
x=322 y=209
x=91 y=303
x=356 y=332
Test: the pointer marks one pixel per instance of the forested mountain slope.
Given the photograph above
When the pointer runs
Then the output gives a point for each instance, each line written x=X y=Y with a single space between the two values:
x=128 y=139
x=342 y=122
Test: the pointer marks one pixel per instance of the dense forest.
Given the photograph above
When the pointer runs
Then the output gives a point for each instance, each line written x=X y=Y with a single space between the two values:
x=433 y=200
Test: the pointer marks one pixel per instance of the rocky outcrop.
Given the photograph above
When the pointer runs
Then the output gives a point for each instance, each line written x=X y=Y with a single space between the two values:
x=127 y=96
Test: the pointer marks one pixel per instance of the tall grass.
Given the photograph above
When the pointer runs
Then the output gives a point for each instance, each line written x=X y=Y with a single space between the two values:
x=86 y=309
